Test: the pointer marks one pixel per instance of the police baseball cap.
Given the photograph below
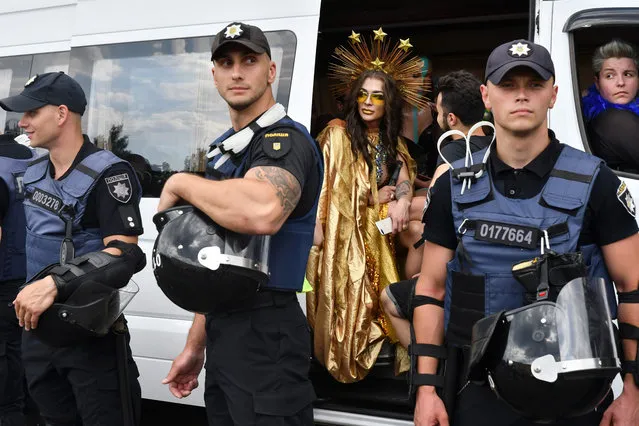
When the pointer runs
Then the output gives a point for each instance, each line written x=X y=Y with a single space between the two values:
x=53 y=88
x=519 y=53
x=244 y=34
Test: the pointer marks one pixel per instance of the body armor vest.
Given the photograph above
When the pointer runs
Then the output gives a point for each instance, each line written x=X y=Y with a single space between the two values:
x=479 y=279
x=291 y=244
x=55 y=208
x=12 y=242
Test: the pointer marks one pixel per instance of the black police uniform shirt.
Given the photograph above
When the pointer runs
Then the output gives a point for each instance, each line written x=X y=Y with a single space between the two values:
x=9 y=149
x=288 y=149
x=609 y=216
x=613 y=137
x=109 y=207
x=453 y=150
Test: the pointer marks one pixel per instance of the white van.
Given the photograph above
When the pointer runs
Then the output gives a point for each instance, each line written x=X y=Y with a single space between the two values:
x=146 y=71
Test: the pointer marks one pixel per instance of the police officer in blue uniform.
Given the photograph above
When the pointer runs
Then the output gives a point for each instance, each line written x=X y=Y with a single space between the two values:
x=531 y=195
x=82 y=223
x=14 y=159
x=263 y=177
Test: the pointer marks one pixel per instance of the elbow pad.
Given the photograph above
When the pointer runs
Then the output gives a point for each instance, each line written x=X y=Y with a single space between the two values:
x=99 y=266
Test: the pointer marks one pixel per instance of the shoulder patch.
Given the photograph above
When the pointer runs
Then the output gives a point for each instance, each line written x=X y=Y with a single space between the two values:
x=277 y=143
x=119 y=187
x=625 y=198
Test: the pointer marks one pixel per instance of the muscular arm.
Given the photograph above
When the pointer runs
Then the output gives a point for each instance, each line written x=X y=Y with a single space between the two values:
x=259 y=203
x=622 y=260
x=429 y=319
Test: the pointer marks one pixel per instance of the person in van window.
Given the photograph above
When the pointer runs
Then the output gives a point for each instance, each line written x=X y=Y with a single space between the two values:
x=369 y=178
x=258 y=347
x=611 y=106
x=82 y=224
x=505 y=237
x=459 y=106
x=14 y=159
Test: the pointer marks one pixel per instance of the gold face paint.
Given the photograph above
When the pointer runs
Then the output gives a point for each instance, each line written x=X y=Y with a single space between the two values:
x=376 y=98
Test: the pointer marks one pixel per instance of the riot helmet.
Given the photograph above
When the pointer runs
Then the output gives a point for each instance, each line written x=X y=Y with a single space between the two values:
x=88 y=312
x=550 y=360
x=201 y=266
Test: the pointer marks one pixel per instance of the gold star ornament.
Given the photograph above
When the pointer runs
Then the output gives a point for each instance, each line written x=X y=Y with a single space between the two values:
x=354 y=37
x=377 y=64
x=379 y=34
x=405 y=44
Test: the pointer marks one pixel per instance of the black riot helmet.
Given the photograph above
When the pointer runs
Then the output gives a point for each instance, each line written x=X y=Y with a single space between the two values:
x=201 y=266
x=550 y=360
x=88 y=312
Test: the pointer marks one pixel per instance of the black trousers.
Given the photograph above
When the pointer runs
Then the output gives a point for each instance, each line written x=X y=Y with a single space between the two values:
x=479 y=406
x=257 y=364
x=78 y=385
x=11 y=371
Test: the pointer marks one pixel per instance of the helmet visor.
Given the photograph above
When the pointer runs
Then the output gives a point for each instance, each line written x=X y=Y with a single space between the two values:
x=573 y=335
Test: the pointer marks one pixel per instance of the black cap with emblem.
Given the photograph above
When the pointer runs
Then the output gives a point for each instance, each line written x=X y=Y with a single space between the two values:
x=247 y=35
x=519 y=53
x=53 y=88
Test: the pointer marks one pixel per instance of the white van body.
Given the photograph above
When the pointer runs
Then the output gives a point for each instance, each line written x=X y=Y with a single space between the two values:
x=48 y=27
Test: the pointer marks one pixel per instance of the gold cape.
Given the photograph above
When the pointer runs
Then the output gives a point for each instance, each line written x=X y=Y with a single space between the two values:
x=353 y=266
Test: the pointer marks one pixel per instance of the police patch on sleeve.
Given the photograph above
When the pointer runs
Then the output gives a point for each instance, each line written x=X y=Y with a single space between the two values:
x=120 y=187
x=625 y=198
x=277 y=143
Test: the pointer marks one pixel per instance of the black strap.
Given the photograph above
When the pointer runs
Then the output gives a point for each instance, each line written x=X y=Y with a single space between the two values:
x=426 y=349
x=577 y=177
x=468 y=172
x=419 y=242
x=628 y=331
x=428 y=380
x=420 y=300
x=39 y=160
x=122 y=362
x=628 y=296
x=87 y=171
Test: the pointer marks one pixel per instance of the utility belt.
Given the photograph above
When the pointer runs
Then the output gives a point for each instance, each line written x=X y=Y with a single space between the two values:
x=262 y=299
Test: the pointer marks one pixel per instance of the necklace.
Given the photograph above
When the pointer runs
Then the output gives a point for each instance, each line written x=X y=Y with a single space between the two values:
x=381 y=155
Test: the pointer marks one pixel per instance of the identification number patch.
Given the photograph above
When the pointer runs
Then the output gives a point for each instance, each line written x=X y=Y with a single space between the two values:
x=46 y=201
x=507 y=234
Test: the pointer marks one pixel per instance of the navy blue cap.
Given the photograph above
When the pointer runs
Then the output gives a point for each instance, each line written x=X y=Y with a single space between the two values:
x=519 y=53
x=247 y=35
x=53 y=88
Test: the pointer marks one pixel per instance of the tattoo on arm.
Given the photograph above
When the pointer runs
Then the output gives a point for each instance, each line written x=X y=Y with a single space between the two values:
x=286 y=186
x=403 y=189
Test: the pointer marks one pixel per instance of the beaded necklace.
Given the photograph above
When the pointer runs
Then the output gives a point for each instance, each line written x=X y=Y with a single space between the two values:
x=381 y=155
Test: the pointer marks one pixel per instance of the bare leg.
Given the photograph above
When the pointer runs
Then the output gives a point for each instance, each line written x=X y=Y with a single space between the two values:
x=417 y=208
x=401 y=325
x=414 y=256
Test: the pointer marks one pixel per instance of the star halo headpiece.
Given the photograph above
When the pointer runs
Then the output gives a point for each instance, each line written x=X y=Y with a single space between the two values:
x=396 y=62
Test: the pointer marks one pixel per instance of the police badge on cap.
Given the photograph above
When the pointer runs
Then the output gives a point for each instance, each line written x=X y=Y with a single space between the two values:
x=119 y=187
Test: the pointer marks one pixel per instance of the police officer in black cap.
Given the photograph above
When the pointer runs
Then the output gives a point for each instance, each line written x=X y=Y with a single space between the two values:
x=82 y=223
x=263 y=177
x=528 y=201
x=14 y=159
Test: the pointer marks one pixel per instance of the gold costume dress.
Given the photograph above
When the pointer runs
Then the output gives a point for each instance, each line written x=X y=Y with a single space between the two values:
x=354 y=264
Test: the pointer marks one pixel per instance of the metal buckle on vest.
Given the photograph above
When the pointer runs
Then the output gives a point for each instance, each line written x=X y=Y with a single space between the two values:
x=545 y=242
x=462 y=228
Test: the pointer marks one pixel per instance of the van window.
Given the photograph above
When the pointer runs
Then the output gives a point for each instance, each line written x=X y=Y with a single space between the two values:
x=155 y=105
x=589 y=30
x=15 y=72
